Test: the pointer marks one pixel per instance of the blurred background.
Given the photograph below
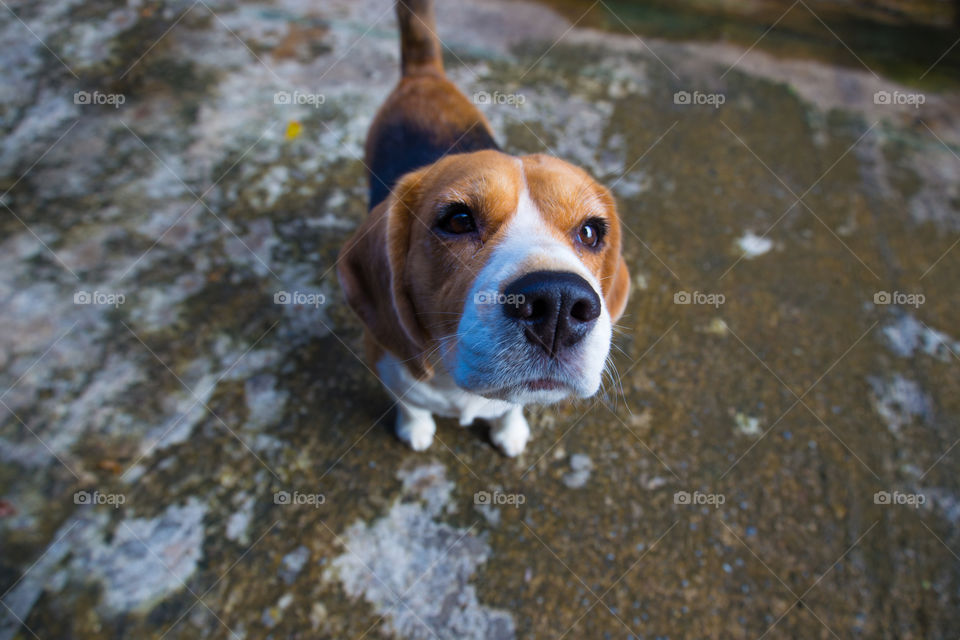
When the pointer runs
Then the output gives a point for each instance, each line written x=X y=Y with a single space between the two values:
x=192 y=448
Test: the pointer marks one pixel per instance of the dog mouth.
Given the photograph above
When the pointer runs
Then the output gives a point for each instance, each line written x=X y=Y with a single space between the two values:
x=520 y=374
x=542 y=384
x=550 y=387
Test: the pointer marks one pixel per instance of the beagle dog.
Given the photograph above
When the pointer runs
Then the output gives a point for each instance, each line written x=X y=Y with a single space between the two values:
x=484 y=281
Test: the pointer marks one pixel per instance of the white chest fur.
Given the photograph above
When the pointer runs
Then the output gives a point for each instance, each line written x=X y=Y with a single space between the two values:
x=418 y=401
x=439 y=395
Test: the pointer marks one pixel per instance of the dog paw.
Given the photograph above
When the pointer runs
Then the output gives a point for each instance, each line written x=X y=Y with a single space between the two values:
x=511 y=433
x=416 y=428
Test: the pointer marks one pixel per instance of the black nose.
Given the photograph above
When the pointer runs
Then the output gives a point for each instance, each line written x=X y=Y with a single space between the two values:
x=555 y=309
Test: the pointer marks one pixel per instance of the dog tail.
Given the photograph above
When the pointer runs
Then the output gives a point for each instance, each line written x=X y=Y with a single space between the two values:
x=420 y=50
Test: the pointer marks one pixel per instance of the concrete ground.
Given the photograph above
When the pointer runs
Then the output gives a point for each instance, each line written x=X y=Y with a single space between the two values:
x=184 y=457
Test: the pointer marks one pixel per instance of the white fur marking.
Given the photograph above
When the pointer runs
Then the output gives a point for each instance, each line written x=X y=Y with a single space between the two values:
x=511 y=432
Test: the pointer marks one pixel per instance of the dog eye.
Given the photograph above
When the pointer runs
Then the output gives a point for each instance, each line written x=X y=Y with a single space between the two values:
x=457 y=219
x=591 y=233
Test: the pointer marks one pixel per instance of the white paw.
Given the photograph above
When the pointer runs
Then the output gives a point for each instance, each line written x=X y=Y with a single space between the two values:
x=511 y=433
x=415 y=427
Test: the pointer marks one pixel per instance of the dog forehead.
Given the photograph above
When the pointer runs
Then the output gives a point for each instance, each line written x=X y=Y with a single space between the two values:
x=563 y=193
x=490 y=179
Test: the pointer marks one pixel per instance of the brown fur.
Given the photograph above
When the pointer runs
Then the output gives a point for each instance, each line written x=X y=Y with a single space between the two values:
x=428 y=102
x=420 y=48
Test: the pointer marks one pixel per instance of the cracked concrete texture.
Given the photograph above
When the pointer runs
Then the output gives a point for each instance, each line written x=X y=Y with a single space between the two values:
x=186 y=456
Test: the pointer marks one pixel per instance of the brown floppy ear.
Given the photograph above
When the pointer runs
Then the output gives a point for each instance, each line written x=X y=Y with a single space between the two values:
x=371 y=272
x=615 y=267
x=619 y=291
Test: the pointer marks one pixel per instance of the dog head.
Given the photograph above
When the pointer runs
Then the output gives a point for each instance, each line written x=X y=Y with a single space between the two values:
x=506 y=271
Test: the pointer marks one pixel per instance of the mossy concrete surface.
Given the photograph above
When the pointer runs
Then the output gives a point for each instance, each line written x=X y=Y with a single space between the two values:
x=184 y=455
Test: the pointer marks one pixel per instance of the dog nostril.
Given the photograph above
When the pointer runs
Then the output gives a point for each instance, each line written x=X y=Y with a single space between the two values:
x=584 y=311
x=538 y=308
x=521 y=310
